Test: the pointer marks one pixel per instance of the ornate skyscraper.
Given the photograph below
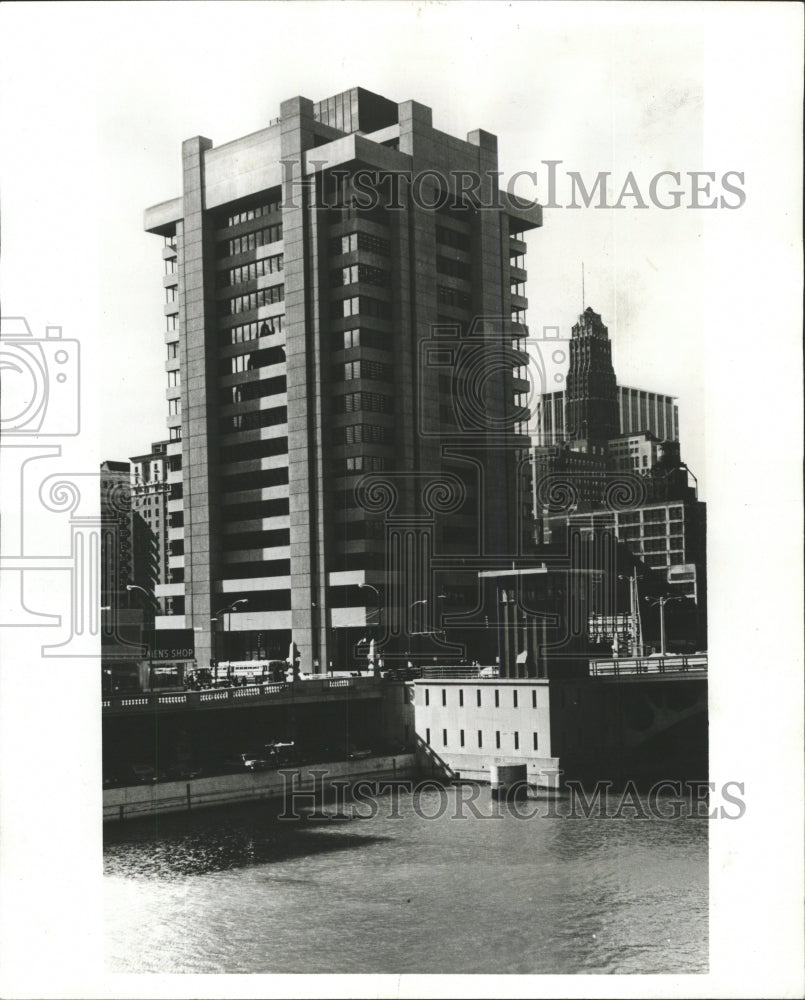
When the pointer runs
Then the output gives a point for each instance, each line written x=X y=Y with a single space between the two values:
x=592 y=392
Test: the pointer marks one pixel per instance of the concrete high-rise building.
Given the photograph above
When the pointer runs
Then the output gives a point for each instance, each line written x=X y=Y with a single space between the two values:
x=324 y=277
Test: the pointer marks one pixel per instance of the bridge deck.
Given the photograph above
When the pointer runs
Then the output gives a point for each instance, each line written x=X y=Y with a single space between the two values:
x=253 y=695
x=657 y=668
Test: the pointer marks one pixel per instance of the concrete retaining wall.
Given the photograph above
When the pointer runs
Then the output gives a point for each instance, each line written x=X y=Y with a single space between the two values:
x=183 y=796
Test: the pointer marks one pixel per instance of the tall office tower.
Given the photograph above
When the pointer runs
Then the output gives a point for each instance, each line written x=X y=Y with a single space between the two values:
x=116 y=538
x=592 y=401
x=150 y=487
x=348 y=428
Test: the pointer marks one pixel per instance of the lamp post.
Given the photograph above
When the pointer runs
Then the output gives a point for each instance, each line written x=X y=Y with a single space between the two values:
x=661 y=602
x=634 y=608
x=376 y=592
x=228 y=612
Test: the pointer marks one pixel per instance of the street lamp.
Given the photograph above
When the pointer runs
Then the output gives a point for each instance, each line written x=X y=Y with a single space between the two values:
x=661 y=602
x=634 y=608
x=228 y=612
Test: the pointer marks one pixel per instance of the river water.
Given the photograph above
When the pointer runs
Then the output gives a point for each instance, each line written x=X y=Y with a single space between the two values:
x=411 y=889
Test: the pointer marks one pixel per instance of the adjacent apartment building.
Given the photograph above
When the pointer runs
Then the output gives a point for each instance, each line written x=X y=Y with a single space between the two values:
x=343 y=321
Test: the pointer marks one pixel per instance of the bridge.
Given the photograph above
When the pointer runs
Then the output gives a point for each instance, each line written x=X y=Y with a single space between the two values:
x=652 y=668
x=252 y=695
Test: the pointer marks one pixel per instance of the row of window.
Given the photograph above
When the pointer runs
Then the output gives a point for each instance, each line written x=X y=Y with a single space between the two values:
x=253 y=213
x=362 y=305
x=171 y=322
x=453 y=268
x=252 y=300
x=255 y=420
x=250 y=331
x=252 y=360
x=360 y=272
x=256 y=449
x=252 y=390
x=363 y=434
x=255 y=510
x=174 y=378
x=373 y=402
x=364 y=369
x=366 y=463
x=462 y=739
x=450 y=238
x=173 y=350
x=359 y=337
x=453 y=297
x=251 y=271
x=515 y=697
x=360 y=241
x=250 y=241
x=653 y=515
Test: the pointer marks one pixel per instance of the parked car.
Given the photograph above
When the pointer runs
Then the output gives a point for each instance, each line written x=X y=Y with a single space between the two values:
x=360 y=754
x=489 y=672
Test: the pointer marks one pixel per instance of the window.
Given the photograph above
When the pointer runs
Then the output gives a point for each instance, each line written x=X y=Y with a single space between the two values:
x=536 y=742
x=478 y=697
x=427 y=696
x=461 y=736
x=497 y=698
x=497 y=739
x=252 y=300
x=353 y=402
x=174 y=378
x=171 y=321
x=366 y=369
x=427 y=736
x=170 y=293
x=516 y=741
x=174 y=406
x=452 y=297
x=250 y=241
x=444 y=737
x=250 y=331
x=176 y=433
x=514 y=699
x=533 y=699
x=173 y=349
x=253 y=213
x=461 y=700
x=480 y=738
x=364 y=306
x=444 y=696
x=360 y=241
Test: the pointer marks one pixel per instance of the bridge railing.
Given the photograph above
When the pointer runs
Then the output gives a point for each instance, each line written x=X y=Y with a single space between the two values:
x=238 y=695
x=631 y=666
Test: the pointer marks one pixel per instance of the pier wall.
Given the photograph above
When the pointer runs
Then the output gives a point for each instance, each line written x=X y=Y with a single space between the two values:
x=136 y=801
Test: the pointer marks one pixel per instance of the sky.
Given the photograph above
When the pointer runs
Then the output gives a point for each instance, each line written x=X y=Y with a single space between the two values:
x=703 y=304
x=597 y=97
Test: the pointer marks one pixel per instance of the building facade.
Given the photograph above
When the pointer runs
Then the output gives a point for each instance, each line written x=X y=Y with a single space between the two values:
x=150 y=488
x=344 y=438
x=639 y=411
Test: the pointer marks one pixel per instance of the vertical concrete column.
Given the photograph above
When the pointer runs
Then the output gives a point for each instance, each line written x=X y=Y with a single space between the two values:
x=199 y=405
x=491 y=301
x=303 y=433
